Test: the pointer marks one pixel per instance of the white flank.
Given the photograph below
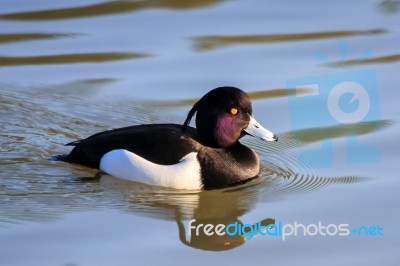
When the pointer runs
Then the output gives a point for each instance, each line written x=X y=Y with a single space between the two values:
x=129 y=166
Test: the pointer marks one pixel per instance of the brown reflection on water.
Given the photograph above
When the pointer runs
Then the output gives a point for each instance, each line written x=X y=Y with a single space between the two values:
x=67 y=58
x=374 y=60
x=275 y=93
x=21 y=37
x=255 y=95
x=107 y=8
x=204 y=43
x=342 y=130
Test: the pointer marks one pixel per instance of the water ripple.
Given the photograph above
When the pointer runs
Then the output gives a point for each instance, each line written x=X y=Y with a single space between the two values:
x=23 y=37
x=366 y=61
x=67 y=58
x=105 y=8
x=206 y=43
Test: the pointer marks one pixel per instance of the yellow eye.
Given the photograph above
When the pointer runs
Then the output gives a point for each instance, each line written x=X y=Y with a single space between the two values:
x=234 y=111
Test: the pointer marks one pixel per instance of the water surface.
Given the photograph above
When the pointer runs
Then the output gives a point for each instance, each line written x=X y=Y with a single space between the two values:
x=71 y=69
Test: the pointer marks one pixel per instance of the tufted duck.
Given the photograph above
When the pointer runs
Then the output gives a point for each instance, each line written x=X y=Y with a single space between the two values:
x=209 y=156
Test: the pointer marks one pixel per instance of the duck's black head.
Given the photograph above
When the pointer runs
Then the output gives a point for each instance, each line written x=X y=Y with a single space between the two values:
x=224 y=115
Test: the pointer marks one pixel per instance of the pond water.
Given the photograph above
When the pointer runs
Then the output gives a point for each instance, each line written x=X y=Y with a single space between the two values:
x=324 y=77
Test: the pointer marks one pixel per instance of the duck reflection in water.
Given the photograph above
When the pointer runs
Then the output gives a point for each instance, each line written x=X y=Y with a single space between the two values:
x=211 y=240
x=223 y=206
